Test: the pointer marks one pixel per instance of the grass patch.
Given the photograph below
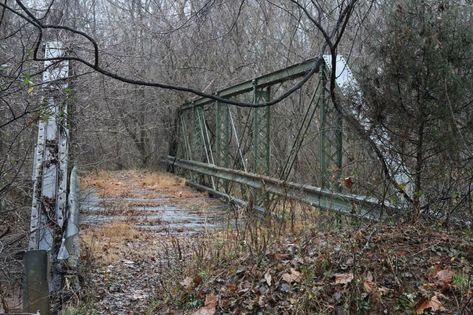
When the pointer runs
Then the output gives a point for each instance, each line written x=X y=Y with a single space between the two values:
x=120 y=184
x=104 y=243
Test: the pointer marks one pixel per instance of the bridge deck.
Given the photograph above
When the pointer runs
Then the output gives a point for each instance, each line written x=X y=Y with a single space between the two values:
x=133 y=224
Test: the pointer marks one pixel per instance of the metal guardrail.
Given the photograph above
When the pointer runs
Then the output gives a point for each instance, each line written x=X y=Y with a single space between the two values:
x=53 y=234
x=343 y=203
x=224 y=196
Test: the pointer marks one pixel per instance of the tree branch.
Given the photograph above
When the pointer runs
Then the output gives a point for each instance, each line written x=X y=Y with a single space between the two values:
x=30 y=18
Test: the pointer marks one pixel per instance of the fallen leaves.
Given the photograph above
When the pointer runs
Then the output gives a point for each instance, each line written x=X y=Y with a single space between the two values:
x=372 y=288
x=432 y=303
x=322 y=270
x=343 y=278
x=444 y=277
x=187 y=283
x=210 y=306
x=190 y=283
x=268 y=278
x=139 y=295
x=292 y=276
x=348 y=182
x=440 y=278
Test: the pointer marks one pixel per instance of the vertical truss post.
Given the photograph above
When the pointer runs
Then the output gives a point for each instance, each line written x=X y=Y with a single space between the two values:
x=184 y=150
x=185 y=137
x=218 y=135
x=196 y=143
x=323 y=131
x=222 y=142
x=226 y=134
x=261 y=132
x=222 y=138
x=339 y=146
x=261 y=137
x=267 y=135
x=218 y=141
x=179 y=141
x=186 y=120
x=331 y=139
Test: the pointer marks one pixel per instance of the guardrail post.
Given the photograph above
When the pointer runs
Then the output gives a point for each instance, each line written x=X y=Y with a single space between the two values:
x=35 y=286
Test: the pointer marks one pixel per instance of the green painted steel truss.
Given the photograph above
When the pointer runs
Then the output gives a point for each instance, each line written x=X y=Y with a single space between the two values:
x=224 y=135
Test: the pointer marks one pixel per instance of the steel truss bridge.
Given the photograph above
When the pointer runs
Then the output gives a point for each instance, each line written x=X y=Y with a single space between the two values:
x=240 y=153
x=297 y=149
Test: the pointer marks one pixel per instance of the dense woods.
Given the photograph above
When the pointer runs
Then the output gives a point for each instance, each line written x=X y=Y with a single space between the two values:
x=134 y=62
